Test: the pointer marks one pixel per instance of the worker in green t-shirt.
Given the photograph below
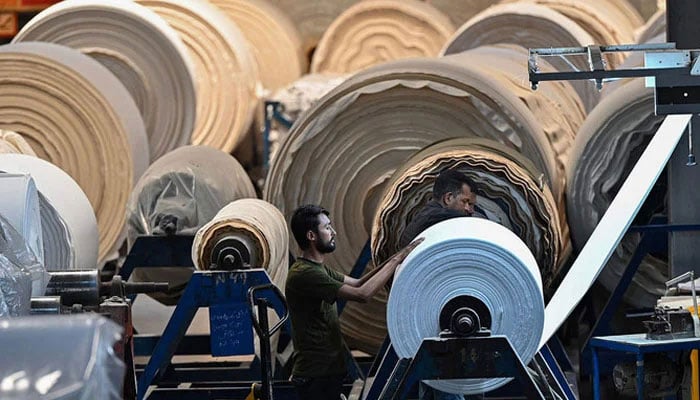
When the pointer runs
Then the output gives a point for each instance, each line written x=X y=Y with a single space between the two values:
x=311 y=290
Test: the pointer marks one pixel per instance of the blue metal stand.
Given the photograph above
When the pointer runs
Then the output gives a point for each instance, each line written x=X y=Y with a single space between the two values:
x=386 y=374
x=225 y=293
x=653 y=239
x=637 y=345
x=453 y=358
x=272 y=112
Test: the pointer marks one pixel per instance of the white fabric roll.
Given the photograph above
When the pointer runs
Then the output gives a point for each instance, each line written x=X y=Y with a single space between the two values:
x=19 y=204
x=467 y=257
x=67 y=198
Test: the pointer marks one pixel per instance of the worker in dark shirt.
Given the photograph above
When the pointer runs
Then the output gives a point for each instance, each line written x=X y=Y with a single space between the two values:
x=453 y=196
x=312 y=289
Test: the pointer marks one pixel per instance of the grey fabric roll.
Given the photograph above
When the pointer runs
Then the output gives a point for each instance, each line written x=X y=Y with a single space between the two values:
x=606 y=148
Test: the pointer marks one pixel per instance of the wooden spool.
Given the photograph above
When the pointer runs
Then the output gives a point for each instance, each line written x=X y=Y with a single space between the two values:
x=375 y=31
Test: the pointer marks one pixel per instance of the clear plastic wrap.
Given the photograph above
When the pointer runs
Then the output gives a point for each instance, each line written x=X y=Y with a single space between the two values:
x=14 y=248
x=184 y=190
x=60 y=357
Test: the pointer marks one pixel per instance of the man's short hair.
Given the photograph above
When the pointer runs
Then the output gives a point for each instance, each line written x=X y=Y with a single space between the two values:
x=304 y=219
x=451 y=181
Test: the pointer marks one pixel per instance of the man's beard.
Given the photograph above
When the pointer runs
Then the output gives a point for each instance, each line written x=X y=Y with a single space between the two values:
x=327 y=247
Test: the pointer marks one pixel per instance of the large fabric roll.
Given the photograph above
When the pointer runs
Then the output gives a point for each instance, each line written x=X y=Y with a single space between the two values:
x=343 y=151
x=606 y=148
x=179 y=193
x=224 y=70
x=508 y=192
x=313 y=17
x=275 y=42
x=601 y=19
x=14 y=143
x=528 y=25
x=298 y=97
x=256 y=223
x=78 y=116
x=140 y=49
x=460 y=11
x=376 y=31
x=467 y=257
x=68 y=221
x=556 y=105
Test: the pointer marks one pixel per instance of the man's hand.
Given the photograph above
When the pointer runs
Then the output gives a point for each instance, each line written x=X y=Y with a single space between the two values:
x=403 y=253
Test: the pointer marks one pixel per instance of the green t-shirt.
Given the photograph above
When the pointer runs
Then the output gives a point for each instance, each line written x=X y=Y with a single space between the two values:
x=311 y=291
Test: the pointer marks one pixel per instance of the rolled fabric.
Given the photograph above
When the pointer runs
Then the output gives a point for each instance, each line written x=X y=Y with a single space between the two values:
x=312 y=17
x=467 y=257
x=343 y=151
x=606 y=148
x=555 y=104
x=460 y=11
x=68 y=221
x=225 y=74
x=508 y=192
x=257 y=224
x=375 y=31
x=528 y=25
x=601 y=19
x=76 y=115
x=142 y=51
x=182 y=191
x=19 y=204
x=654 y=27
x=298 y=97
x=14 y=143
x=274 y=39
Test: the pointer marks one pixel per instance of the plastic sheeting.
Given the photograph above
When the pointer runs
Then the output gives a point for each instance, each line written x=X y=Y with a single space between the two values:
x=19 y=204
x=60 y=357
x=467 y=257
x=21 y=275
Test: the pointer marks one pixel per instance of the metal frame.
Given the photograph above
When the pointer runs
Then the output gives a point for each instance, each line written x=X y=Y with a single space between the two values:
x=639 y=346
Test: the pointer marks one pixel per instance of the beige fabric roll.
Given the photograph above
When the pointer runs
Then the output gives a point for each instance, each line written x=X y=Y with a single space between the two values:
x=256 y=223
x=508 y=192
x=655 y=26
x=606 y=148
x=528 y=25
x=460 y=11
x=376 y=31
x=296 y=98
x=140 y=49
x=77 y=115
x=556 y=104
x=599 y=19
x=274 y=41
x=225 y=73
x=342 y=152
x=14 y=143
x=313 y=17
